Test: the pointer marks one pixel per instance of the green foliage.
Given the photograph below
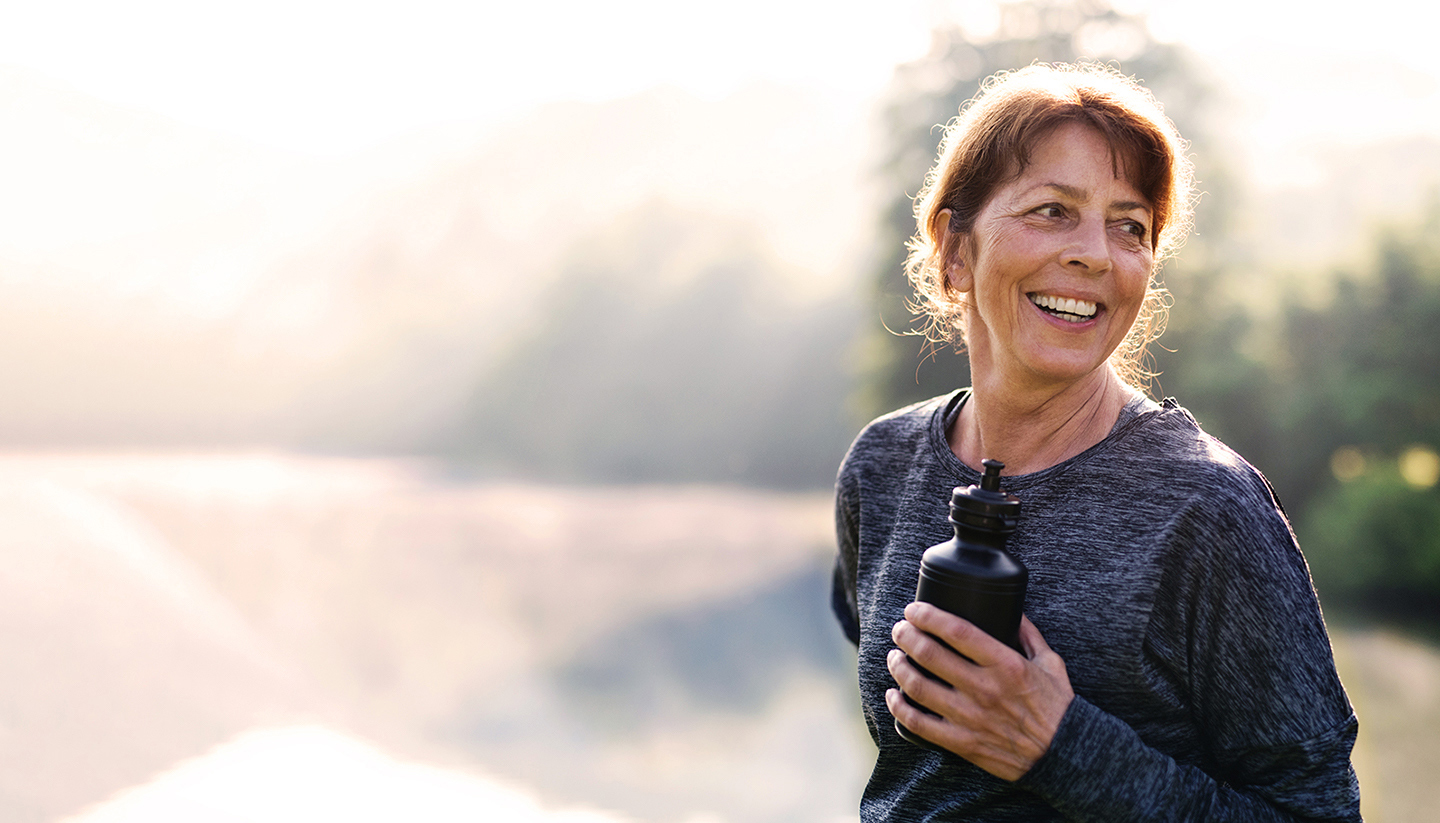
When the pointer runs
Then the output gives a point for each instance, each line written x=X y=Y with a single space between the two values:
x=1362 y=370
x=1374 y=542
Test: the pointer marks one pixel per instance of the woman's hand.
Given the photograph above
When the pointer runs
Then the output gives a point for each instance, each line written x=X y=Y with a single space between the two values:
x=999 y=711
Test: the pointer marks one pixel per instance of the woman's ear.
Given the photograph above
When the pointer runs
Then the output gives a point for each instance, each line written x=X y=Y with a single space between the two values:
x=958 y=275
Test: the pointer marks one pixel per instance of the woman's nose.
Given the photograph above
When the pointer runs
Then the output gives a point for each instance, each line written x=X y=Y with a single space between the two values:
x=1089 y=248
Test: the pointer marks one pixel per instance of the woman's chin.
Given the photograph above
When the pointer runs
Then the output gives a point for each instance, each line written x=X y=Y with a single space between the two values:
x=1052 y=363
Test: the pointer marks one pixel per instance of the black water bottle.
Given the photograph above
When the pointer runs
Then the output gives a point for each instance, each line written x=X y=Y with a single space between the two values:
x=972 y=575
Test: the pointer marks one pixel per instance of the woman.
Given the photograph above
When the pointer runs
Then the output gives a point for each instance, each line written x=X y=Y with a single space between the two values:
x=1177 y=666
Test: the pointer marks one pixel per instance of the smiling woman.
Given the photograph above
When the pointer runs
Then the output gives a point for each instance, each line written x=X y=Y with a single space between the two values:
x=996 y=137
x=1175 y=662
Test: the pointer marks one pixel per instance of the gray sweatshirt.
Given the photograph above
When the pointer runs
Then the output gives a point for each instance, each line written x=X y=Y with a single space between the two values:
x=1165 y=574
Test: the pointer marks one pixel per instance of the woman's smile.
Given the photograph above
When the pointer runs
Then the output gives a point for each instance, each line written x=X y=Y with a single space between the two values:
x=1068 y=309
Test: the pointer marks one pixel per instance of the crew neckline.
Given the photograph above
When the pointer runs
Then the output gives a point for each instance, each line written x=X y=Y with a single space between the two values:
x=947 y=413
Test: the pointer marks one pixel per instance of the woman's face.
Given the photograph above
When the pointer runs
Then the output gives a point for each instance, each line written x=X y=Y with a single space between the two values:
x=1056 y=265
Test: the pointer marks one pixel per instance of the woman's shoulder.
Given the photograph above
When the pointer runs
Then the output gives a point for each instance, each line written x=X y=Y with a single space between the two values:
x=1167 y=450
x=1169 y=434
x=1225 y=528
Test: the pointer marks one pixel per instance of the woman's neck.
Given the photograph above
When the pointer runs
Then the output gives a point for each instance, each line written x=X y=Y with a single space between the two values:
x=1036 y=429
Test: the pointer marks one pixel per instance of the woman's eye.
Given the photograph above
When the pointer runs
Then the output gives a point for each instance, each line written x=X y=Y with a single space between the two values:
x=1050 y=210
x=1137 y=229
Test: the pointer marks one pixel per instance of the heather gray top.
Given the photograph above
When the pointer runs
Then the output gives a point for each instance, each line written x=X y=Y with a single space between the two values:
x=1165 y=574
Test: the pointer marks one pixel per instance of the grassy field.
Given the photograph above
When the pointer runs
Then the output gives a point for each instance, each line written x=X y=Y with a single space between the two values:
x=661 y=653
x=1394 y=683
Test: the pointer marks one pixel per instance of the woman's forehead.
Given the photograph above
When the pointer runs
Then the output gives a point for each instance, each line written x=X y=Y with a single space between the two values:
x=1072 y=160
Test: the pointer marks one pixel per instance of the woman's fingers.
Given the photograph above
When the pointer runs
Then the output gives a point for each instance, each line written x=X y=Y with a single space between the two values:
x=1030 y=639
x=965 y=687
x=995 y=708
x=959 y=634
x=925 y=650
x=990 y=753
x=925 y=690
x=934 y=728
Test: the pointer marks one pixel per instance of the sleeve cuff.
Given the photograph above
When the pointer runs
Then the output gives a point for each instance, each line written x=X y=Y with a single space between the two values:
x=1098 y=768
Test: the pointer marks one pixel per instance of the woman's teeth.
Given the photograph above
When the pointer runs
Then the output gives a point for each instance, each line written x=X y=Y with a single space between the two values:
x=1065 y=308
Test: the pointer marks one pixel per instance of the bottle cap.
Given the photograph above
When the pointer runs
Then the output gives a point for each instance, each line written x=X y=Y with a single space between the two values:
x=986 y=506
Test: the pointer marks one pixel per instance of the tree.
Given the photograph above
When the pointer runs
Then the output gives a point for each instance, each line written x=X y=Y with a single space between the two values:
x=1373 y=541
x=1362 y=370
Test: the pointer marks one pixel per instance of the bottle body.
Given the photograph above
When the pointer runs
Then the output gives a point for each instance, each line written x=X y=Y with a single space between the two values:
x=972 y=575
x=986 y=587
x=982 y=584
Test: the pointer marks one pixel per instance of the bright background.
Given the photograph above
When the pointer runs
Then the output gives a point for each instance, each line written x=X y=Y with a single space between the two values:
x=264 y=264
x=328 y=79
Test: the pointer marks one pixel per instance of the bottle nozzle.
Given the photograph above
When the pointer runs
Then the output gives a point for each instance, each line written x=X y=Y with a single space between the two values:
x=985 y=506
x=990 y=481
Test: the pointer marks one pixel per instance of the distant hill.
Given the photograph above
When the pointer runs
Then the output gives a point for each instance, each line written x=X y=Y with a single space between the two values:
x=196 y=291
x=168 y=287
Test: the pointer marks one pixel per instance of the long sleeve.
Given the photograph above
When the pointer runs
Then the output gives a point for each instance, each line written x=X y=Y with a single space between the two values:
x=1098 y=769
x=847 y=538
x=1241 y=635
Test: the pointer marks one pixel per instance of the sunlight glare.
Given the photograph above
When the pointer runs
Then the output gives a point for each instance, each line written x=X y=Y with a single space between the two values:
x=308 y=773
x=1420 y=466
x=329 y=78
x=1347 y=463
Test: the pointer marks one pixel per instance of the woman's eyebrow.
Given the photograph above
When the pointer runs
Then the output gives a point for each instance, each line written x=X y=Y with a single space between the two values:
x=1076 y=193
x=1072 y=192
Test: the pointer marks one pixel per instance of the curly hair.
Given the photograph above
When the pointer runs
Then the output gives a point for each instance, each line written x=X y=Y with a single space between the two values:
x=989 y=143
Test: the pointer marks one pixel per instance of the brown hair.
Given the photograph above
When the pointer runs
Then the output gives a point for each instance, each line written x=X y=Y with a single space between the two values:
x=989 y=143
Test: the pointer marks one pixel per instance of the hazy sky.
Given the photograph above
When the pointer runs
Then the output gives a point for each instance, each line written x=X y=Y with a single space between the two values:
x=329 y=78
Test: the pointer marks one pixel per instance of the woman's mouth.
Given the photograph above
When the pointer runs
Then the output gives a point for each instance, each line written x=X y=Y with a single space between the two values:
x=1065 y=308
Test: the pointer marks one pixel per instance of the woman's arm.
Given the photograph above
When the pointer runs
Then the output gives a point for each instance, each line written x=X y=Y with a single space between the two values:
x=1017 y=719
x=1098 y=769
x=847 y=558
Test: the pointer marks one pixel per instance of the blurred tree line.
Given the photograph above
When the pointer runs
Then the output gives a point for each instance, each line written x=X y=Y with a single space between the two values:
x=668 y=351
x=1334 y=393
